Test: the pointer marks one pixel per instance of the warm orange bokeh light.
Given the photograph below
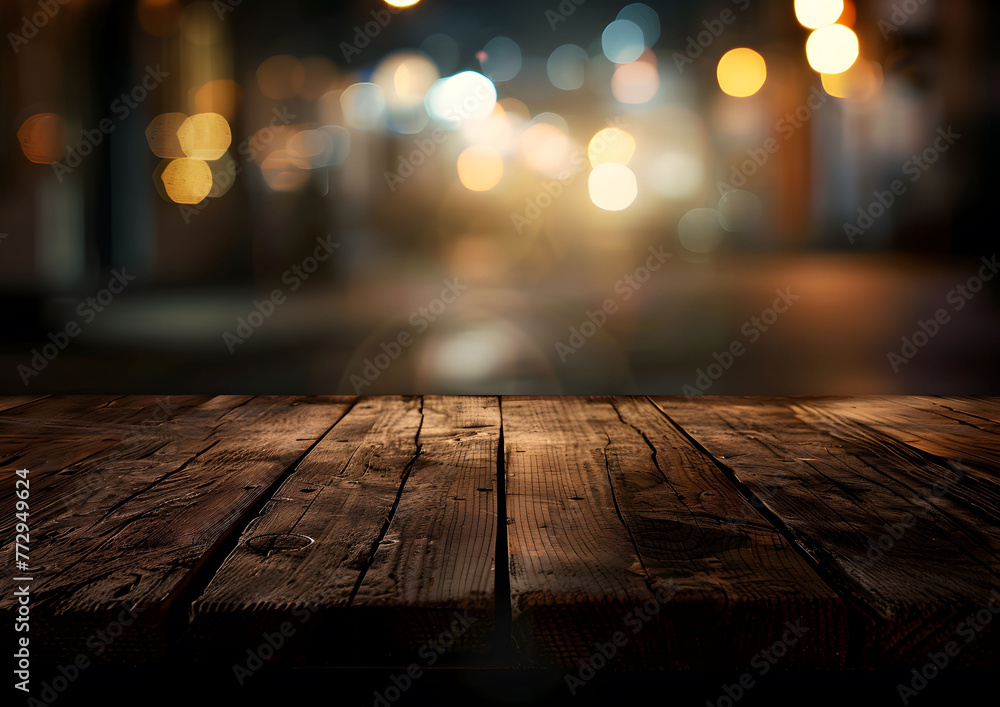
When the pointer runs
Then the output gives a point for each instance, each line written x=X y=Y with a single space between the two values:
x=43 y=138
x=480 y=168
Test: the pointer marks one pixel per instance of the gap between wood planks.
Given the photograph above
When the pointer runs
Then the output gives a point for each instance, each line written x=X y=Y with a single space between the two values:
x=392 y=511
x=502 y=650
x=179 y=613
x=856 y=635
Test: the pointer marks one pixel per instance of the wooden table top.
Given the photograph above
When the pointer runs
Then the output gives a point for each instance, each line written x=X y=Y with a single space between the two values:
x=679 y=534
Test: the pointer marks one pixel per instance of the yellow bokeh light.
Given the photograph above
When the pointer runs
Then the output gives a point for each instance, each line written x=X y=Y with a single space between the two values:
x=613 y=187
x=405 y=78
x=205 y=136
x=859 y=83
x=187 y=181
x=401 y=3
x=611 y=145
x=832 y=50
x=742 y=72
x=43 y=138
x=818 y=13
x=480 y=168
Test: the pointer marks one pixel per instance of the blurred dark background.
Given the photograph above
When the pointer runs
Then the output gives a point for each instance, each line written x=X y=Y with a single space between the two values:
x=318 y=197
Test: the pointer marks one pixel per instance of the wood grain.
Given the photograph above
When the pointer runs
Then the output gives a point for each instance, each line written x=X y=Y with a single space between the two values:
x=144 y=541
x=396 y=512
x=69 y=443
x=609 y=503
x=856 y=501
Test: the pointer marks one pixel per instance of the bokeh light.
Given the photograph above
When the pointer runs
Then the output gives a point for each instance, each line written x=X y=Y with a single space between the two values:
x=281 y=173
x=281 y=77
x=405 y=78
x=612 y=186
x=611 y=146
x=364 y=106
x=480 y=168
x=635 y=83
x=818 y=13
x=497 y=130
x=622 y=41
x=401 y=3
x=645 y=18
x=741 y=72
x=861 y=82
x=567 y=67
x=514 y=109
x=700 y=230
x=205 y=136
x=161 y=134
x=43 y=138
x=545 y=148
x=465 y=96
x=740 y=211
x=310 y=149
x=501 y=59
x=187 y=181
x=832 y=50
x=340 y=139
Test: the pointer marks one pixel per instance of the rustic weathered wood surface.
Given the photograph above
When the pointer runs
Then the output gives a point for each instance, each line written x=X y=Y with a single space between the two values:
x=510 y=531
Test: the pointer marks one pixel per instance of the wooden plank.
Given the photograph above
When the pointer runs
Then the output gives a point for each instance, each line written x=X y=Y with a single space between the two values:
x=609 y=501
x=574 y=571
x=438 y=554
x=855 y=502
x=385 y=530
x=972 y=504
x=741 y=581
x=8 y=402
x=68 y=443
x=144 y=543
x=311 y=542
x=984 y=407
x=925 y=425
